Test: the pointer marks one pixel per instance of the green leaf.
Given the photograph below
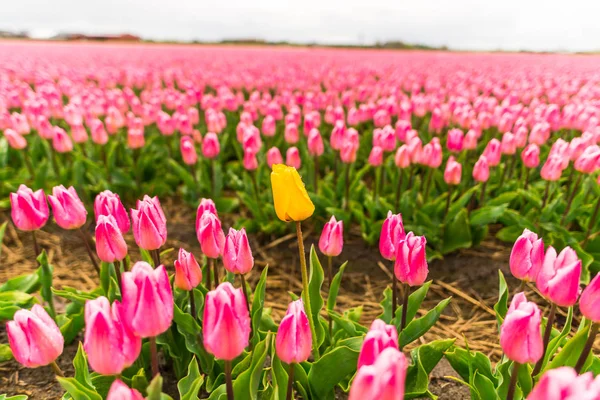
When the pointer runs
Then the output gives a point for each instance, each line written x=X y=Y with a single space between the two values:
x=464 y=362
x=76 y=296
x=485 y=387
x=424 y=359
x=335 y=287
x=420 y=326
x=5 y=353
x=386 y=306
x=71 y=325
x=457 y=235
x=557 y=341
x=46 y=280
x=147 y=257
x=503 y=199
x=17 y=397
x=350 y=327
x=333 y=366
x=571 y=351
x=2 y=230
x=487 y=215
x=82 y=373
x=155 y=390
x=23 y=283
x=314 y=287
x=77 y=390
x=258 y=303
x=189 y=386
x=415 y=299
x=139 y=381
x=501 y=307
x=246 y=384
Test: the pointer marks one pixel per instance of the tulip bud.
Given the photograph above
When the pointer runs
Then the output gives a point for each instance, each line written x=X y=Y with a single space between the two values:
x=383 y=380
x=250 y=161
x=237 y=255
x=492 y=152
x=470 y=140
x=455 y=141
x=589 y=303
x=29 y=210
x=34 y=337
x=15 y=140
x=558 y=279
x=274 y=157
x=531 y=156
x=315 y=143
x=509 y=144
x=411 y=261
x=337 y=135
x=188 y=150
x=210 y=235
x=147 y=300
x=453 y=172
x=563 y=384
x=149 y=223
x=376 y=156
x=293 y=342
x=210 y=145
x=481 y=170
x=552 y=168
x=380 y=337
x=69 y=212
x=331 y=241
x=109 y=344
x=78 y=133
x=188 y=274
x=120 y=391
x=520 y=333
x=109 y=203
x=61 y=141
x=291 y=134
x=268 y=126
x=110 y=245
x=527 y=256
x=588 y=161
x=402 y=158
x=392 y=232
x=289 y=194
x=99 y=135
x=226 y=322
x=292 y=158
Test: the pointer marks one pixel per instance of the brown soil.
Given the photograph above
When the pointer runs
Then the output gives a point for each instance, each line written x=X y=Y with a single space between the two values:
x=470 y=276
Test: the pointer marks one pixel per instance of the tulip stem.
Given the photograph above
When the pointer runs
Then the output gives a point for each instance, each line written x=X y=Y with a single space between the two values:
x=399 y=188
x=89 y=250
x=427 y=184
x=215 y=272
x=513 y=381
x=592 y=223
x=153 y=356
x=228 y=381
x=587 y=348
x=547 y=332
x=290 y=388
x=450 y=187
x=193 y=305
x=570 y=199
x=56 y=369
x=245 y=289
x=28 y=164
x=213 y=175
x=545 y=200
x=308 y=309
x=54 y=160
x=482 y=194
x=118 y=273
x=330 y=278
x=405 y=294
x=526 y=178
x=376 y=184
x=36 y=247
x=394 y=293
x=347 y=196
x=256 y=195
x=316 y=158
x=208 y=272
x=156 y=257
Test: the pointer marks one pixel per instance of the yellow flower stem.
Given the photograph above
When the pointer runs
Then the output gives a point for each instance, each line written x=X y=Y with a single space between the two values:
x=307 y=303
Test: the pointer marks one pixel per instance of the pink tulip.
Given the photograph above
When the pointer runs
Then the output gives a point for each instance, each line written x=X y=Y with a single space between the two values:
x=237 y=255
x=337 y=135
x=109 y=203
x=558 y=279
x=274 y=157
x=384 y=380
x=61 y=141
x=69 y=211
x=376 y=156
x=210 y=235
x=563 y=383
x=411 y=261
x=210 y=146
x=552 y=168
x=380 y=337
x=268 y=126
x=392 y=232
x=99 y=135
x=15 y=140
x=348 y=152
x=589 y=302
x=521 y=135
x=531 y=156
x=527 y=256
x=149 y=224
x=188 y=150
x=520 y=333
x=492 y=152
x=331 y=241
x=509 y=144
x=455 y=141
x=293 y=342
x=29 y=210
x=147 y=300
x=470 y=140
x=453 y=172
x=226 y=322
x=110 y=245
x=205 y=205
x=402 y=157
x=188 y=274
x=135 y=138
x=120 y=391
x=34 y=337
x=108 y=343
x=481 y=170
x=385 y=138
x=292 y=158
x=588 y=162
x=78 y=133
x=250 y=161
x=291 y=134
x=315 y=143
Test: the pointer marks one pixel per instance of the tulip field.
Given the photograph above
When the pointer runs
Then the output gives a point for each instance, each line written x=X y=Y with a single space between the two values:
x=204 y=222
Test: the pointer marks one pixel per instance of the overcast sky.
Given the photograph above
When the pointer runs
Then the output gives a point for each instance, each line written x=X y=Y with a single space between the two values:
x=562 y=25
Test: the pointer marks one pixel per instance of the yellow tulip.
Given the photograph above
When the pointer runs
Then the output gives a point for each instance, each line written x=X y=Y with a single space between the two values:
x=289 y=194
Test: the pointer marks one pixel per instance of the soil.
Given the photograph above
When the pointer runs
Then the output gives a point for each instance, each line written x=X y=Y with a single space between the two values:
x=470 y=276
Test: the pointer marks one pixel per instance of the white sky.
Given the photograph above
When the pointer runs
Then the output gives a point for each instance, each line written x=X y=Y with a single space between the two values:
x=560 y=25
